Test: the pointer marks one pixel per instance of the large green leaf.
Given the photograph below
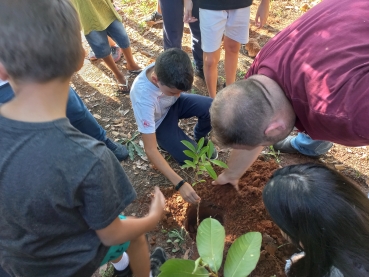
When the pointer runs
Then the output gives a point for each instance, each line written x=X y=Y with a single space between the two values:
x=211 y=171
x=190 y=163
x=219 y=163
x=181 y=268
x=138 y=149
x=243 y=255
x=200 y=144
x=211 y=149
x=210 y=242
x=190 y=154
x=189 y=145
x=203 y=151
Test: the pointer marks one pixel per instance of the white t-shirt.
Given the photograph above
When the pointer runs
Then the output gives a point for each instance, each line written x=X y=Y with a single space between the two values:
x=149 y=104
x=3 y=82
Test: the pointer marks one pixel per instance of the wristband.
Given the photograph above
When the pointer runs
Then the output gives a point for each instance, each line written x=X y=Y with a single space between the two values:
x=179 y=185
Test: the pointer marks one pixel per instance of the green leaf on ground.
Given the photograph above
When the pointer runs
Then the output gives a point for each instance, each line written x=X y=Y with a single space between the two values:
x=243 y=255
x=183 y=268
x=210 y=242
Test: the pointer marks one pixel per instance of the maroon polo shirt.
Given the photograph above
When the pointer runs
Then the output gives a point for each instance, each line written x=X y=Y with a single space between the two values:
x=321 y=62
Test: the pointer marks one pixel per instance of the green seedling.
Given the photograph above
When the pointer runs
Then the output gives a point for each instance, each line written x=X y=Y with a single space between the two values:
x=176 y=238
x=242 y=256
x=274 y=154
x=241 y=74
x=132 y=146
x=201 y=160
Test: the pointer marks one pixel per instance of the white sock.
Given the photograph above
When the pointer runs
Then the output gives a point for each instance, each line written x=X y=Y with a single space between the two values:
x=123 y=263
x=150 y=274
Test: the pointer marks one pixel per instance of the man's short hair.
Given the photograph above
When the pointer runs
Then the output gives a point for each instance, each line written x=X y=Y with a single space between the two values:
x=174 y=69
x=240 y=114
x=40 y=40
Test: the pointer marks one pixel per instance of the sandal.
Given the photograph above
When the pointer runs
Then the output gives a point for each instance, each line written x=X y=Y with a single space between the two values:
x=124 y=88
x=135 y=72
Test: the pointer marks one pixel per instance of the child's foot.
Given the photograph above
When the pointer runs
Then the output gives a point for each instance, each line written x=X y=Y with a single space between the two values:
x=92 y=56
x=116 y=53
x=157 y=258
x=134 y=69
x=155 y=16
x=123 y=84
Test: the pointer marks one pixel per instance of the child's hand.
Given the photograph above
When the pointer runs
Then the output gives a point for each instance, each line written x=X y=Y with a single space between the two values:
x=189 y=194
x=187 y=17
x=157 y=204
x=262 y=13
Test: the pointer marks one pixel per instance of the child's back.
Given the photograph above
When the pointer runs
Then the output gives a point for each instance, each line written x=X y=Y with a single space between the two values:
x=57 y=186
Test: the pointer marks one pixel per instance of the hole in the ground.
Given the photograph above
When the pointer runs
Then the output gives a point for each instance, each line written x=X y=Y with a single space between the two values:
x=206 y=210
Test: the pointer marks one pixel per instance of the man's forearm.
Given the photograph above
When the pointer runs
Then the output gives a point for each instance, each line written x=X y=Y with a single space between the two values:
x=240 y=160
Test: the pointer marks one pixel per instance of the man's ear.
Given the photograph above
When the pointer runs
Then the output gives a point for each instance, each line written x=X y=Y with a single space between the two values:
x=3 y=73
x=154 y=78
x=275 y=128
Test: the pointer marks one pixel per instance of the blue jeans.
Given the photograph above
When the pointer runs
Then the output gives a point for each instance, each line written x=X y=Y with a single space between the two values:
x=169 y=135
x=172 y=11
x=98 y=40
x=77 y=113
x=309 y=147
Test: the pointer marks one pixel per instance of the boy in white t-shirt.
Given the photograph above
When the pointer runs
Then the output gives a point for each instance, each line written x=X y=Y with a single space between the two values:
x=159 y=102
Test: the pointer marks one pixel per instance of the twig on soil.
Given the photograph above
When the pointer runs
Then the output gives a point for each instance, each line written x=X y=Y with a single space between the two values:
x=198 y=212
x=112 y=84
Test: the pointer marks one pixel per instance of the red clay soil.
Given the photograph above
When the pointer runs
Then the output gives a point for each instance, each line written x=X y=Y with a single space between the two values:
x=239 y=212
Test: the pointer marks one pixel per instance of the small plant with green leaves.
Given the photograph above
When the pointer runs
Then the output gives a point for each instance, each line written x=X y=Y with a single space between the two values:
x=133 y=146
x=201 y=159
x=176 y=238
x=273 y=153
x=241 y=259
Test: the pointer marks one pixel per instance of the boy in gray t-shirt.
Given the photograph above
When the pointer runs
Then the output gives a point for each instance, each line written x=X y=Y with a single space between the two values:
x=61 y=192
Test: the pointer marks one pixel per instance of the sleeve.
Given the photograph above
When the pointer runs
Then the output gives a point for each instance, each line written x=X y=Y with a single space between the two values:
x=105 y=192
x=145 y=118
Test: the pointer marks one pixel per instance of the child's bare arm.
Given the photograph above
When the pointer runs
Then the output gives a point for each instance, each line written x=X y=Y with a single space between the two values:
x=120 y=231
x=150 y=144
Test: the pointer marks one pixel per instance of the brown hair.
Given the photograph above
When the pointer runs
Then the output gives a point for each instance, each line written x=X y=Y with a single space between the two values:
x=241 y=112
x=40 y=40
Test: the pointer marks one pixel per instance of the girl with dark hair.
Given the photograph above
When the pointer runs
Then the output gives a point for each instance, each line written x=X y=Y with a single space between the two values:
x=325 y=215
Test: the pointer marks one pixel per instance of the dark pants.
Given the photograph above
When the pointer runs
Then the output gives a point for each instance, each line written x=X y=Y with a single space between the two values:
x=77 y=113
x=172 y=11
x=169 y=135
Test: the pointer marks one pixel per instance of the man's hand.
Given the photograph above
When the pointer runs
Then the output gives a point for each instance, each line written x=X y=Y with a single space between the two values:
x=189 y=194
x=157 y=204
x=262 y=14
x=224 y=179
x=187 y=17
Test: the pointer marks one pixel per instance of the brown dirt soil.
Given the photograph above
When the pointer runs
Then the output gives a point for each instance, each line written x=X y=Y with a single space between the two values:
x=240 y=212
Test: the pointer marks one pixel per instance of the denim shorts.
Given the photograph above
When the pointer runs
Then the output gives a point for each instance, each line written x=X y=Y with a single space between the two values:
x=99 y=43
x=115 y=251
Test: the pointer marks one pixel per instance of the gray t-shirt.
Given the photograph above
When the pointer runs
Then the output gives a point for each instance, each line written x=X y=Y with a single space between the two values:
x=57 y=186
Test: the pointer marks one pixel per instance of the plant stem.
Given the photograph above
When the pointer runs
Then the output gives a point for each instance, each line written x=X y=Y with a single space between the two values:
x=198 y=213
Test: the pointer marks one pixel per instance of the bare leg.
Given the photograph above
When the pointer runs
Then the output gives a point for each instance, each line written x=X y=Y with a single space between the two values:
x=139 y=258
x=211 y=61
x=232 y=49
x=158 y=8
x=111 y=41
x=131 y=64
x=118 y=75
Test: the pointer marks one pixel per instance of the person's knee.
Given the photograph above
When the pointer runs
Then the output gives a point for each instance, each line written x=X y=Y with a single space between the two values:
x=231 y=46
x=210 y=60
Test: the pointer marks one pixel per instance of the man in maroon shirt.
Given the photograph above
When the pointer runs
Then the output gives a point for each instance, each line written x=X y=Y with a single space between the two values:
x=313 y=75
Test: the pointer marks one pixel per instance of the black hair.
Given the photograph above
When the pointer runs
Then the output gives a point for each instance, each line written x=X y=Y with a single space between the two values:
x=324 y=213
x=174 y=69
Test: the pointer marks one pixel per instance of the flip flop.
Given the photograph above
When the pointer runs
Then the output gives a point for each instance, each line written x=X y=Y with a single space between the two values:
x=124 y=88
x=135 y=72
